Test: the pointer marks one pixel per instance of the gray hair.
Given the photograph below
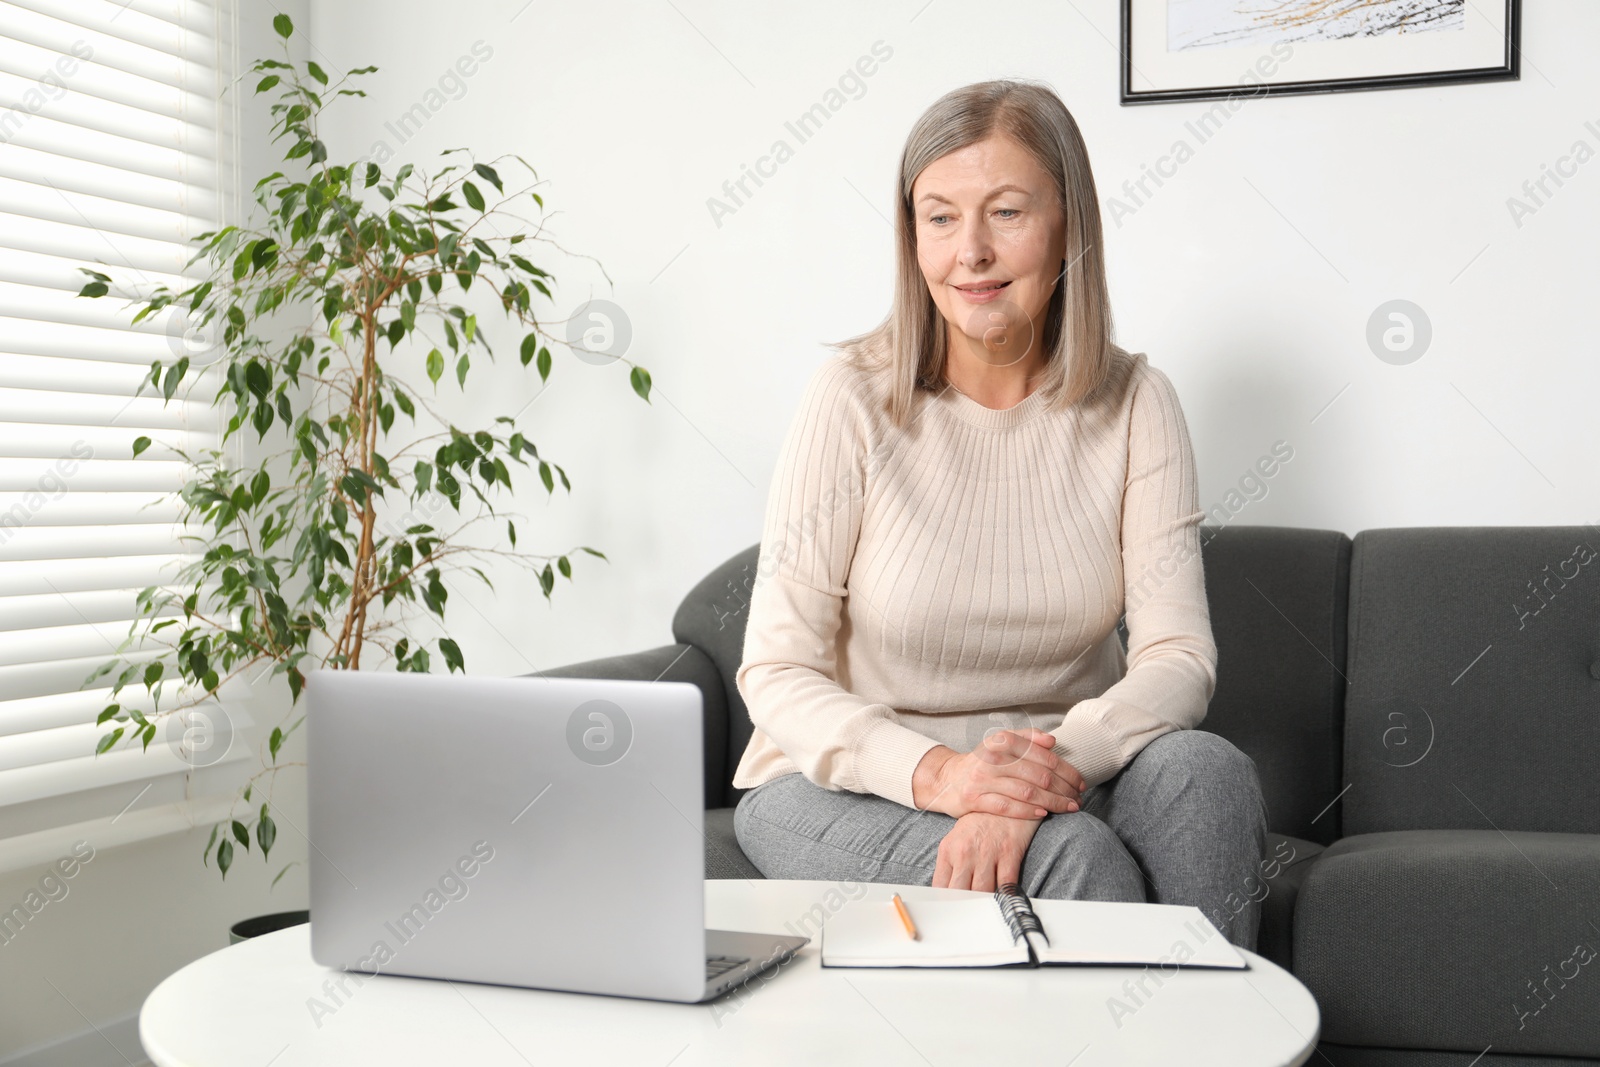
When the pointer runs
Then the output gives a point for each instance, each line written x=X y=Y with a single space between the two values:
x=911 y=342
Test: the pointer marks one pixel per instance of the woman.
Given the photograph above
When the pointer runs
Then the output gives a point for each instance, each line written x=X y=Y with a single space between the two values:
x=969 y=498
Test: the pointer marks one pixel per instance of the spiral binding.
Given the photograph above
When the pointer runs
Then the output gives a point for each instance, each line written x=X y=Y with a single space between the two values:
x=1019 y=914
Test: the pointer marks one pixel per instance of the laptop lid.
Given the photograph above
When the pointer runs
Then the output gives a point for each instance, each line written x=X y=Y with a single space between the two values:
x=540 y=832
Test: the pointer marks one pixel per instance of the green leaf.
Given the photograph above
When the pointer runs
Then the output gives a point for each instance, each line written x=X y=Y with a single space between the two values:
x=373 y=174
x=152 y=673
x=108 y=740
x=109 y=712
x=316 y=72
x=94 y=289
x=225 y=849
x=462 y=365
x=266 y=832
x=257 y=379
x=434 y=595
x=283 y=25
x=242 y=834
x=641 y=382
x=474 y=198
x=544 y=364
x=205 y=857
x=354 y=486
x=487 y=173
x=140 y=444
x=275 y=741
x=280 y=875
x=435 y=366
x=564 y=566
x=530 y=347
x=452 y=655
x=264 y=253
x=268 y=82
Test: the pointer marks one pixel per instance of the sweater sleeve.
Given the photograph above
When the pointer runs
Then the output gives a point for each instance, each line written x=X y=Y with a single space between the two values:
x=788 y=674
x=1172 y=658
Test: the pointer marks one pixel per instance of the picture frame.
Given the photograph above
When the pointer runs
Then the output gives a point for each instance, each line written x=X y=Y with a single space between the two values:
x=1174 y=50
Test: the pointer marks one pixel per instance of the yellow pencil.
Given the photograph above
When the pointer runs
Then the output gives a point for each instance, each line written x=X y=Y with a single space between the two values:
x=905 y=917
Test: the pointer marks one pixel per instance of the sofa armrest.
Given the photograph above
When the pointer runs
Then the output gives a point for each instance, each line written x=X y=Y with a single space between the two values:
x=672 y=663
x=1454 y=940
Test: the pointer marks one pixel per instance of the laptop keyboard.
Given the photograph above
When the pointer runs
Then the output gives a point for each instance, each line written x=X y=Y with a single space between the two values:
x=716 y=966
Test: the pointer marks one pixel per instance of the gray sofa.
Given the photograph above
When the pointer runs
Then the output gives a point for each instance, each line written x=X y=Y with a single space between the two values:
x=1423 y=707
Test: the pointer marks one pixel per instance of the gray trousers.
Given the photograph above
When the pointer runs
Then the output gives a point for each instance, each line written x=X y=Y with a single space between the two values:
x=1183 y=823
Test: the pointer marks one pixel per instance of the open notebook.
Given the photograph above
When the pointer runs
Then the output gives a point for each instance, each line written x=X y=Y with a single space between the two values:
x=1009 y=930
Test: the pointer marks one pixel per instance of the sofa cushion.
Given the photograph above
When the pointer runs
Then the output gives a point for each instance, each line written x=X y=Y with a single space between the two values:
x=1283 y=871
x=1474 y=674
x=1454 y=939
x=724 y=857
x=712 y=618
x=1277 y=600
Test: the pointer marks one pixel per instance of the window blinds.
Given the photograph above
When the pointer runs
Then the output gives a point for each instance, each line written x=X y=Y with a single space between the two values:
x=112 y=136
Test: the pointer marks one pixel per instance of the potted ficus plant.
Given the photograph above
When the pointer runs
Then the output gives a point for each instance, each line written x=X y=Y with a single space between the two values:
x=336 y=314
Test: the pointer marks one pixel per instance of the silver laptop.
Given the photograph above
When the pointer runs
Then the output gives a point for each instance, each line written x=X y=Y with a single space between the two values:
x=518 y=831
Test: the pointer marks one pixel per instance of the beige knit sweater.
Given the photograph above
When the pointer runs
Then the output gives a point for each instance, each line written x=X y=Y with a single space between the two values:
x=922 y=586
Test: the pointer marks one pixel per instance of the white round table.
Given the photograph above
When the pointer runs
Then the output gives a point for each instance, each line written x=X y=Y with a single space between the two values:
x=265 y=1003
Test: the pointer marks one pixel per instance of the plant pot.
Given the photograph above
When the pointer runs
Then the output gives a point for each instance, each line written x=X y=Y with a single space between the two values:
x=257 y=925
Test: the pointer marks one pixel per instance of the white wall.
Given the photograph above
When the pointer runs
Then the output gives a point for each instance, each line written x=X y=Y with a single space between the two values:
x=1249 y=276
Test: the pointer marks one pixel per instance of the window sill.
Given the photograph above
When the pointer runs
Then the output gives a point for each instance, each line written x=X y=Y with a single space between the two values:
x=113 y=799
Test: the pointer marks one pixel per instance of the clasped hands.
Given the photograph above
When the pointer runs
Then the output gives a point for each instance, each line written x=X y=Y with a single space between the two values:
x=997 y=794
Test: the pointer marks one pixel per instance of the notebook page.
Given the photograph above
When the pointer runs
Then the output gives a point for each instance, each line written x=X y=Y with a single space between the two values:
x=1092 y=931
x=955 y=933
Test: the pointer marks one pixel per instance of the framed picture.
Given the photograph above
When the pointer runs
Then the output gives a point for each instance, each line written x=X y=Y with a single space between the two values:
x=1212 y=49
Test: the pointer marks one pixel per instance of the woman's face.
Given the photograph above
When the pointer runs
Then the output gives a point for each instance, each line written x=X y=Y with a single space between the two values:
x=988 y=213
